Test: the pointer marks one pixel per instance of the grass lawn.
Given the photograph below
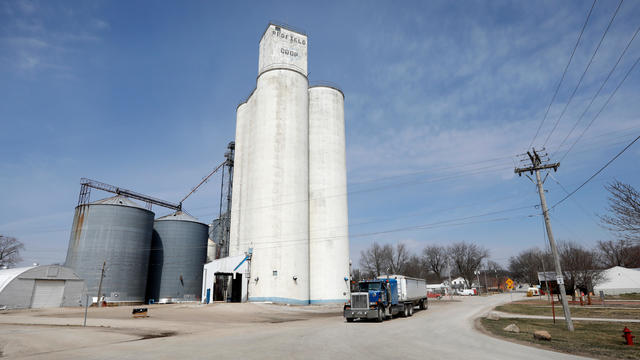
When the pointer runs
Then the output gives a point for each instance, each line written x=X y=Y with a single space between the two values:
x=593 y=311
x=629 y=296
x=595 y=339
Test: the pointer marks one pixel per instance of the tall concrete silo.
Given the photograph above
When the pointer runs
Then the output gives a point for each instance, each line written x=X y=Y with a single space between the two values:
x=178 y=253
x=276 y=224
x=328 y=212
x=238 y=177
x=116 y=231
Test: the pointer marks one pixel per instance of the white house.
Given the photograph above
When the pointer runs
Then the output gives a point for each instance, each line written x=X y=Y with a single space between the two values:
x=459 y=282
x=619 y=280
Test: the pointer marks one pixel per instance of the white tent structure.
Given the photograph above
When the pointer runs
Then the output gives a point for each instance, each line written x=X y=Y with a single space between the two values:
x=619 y=280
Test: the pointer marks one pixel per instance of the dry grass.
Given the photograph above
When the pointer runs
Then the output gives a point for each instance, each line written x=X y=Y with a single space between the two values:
x=629 y=296
x=594 y=339
x=592 y=311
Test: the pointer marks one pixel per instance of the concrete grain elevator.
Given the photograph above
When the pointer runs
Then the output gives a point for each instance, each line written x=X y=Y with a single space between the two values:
x=289 y=200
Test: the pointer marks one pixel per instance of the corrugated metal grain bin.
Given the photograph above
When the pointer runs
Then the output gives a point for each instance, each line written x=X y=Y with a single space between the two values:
x=178 y=253
x=116 y=231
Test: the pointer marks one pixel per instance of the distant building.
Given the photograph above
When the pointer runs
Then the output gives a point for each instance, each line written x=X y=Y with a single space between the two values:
x=619 y=280
x=459 y=283
x=40 y=287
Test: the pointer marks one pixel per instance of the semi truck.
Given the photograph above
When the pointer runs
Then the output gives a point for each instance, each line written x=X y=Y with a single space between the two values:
x=386 y=296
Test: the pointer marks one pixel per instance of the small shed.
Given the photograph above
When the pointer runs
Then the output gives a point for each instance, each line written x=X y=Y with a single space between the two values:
x=226 y=279
x=619 y=280
x=40 y=287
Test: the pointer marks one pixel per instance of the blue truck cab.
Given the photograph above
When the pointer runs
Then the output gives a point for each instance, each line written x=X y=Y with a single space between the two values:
x=375 y=299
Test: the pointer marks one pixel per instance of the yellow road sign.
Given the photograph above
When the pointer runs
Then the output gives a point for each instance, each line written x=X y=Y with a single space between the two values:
x=509 y=283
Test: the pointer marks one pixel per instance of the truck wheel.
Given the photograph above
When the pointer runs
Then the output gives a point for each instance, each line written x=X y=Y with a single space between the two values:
x=380 y=315
x=349 y=319
x=405 y=311
x=410 y=309
x=422 y=307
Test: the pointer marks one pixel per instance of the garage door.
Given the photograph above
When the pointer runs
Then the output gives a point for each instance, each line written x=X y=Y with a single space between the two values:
x=48 y=293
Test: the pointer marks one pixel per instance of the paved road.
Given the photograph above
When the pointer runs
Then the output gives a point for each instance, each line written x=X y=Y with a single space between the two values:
x=444 y=331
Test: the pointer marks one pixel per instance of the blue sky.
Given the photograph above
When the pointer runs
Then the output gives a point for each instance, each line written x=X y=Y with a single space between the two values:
x=440 y=98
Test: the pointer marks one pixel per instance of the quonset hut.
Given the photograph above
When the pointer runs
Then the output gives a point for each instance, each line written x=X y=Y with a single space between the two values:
x=40 y=287
x=289 y=205
x=117 y=232
x=178 y=252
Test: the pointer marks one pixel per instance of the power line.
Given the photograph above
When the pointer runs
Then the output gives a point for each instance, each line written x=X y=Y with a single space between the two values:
x=583 y=73
x=592 y=146
x=599 y=90
x=437 y=224
x=473 y=171
x=476 y=171
x=602 y=107
x=573 y=199
x=413 y=227
x=564 y=73
x=596 y=173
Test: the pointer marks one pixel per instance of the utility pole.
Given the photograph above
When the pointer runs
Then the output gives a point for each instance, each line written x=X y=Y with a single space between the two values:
x=536 y=166
x=104 y=263
x=86 y=307
x=486 y=285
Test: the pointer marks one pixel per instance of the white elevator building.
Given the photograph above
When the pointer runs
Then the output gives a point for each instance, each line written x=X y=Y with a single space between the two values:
x=289 y=203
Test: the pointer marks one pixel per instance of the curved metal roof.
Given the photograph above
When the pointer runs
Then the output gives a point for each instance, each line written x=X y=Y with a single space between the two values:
x=7 y=275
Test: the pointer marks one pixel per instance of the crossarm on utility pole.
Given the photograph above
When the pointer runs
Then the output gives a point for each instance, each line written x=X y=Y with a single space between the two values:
x=531 y=169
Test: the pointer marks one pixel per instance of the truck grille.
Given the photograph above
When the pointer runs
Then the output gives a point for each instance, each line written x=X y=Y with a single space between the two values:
x=359 y=301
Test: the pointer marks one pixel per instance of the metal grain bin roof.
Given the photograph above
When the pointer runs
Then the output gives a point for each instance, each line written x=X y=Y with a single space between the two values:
x=119 y=200
x=179 y=215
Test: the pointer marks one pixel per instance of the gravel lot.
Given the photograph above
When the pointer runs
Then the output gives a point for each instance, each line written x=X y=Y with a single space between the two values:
x=252 y=331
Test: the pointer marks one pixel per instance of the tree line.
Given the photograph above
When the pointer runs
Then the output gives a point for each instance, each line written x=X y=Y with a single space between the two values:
x=432 y=263
x=581 y=266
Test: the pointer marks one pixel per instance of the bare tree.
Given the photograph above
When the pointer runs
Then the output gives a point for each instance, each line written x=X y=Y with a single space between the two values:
x=621 y=252
x=396 y=258
x=579 y=267
x=356 y=275
x=525 y=266
x=494 y=267
x=374 y=259
x=435 y=259
x=496 y=275
x=467 y=259
x=10 y=250
x=414 y=267
x=624 y=209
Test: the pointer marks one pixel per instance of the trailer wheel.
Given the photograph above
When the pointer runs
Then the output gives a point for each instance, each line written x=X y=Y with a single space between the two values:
x=380 y=315
x=422 y=307
x=411 y=309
